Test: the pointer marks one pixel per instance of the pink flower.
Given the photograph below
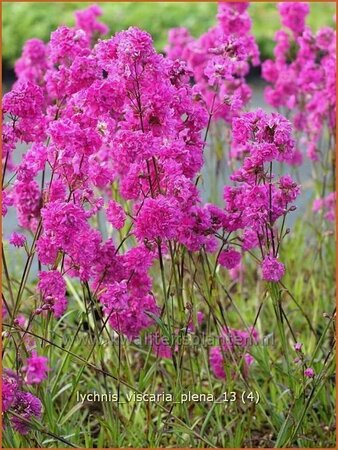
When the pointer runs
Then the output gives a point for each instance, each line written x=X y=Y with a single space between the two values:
x=66 y=44
x=327 y=205
x=232 y=340
x=36 y=369
x=27 y=406
x=128 y=308
x=24 y=101
x=27 y=200
x=32 y=163
x=217 y=362
x=7 y=200
x=309 y=372
x=115 y=214
x=86 y=20
x=53 y=289
x=266 y=136
x=289 y=189
x=272 y=269
x=158 y=218
x=293 y=15
x=229 y=258
x=33 y=62
x=160 y=347
x=17 y=239
x=20 y=320
x=298 y=346
x=10 y=387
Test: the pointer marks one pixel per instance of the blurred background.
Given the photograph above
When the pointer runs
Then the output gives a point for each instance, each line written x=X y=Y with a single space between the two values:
x=22 y=21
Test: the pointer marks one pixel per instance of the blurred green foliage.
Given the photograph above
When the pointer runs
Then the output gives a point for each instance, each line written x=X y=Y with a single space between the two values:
x=22 y=21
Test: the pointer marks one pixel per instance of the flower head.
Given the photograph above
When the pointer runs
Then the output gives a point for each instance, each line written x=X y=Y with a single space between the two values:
x=17 y=239
x=229 y=258
x=309 y=372
x=53 y=289
x=27 y=406
x=293 y=15
x=36 y=369
x=115 y=214
x=272 y=269
x=298 y=346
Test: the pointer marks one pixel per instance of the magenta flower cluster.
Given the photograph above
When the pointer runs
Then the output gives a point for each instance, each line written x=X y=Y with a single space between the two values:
x=302 y=76
x=22 y=403
x=220 y=59
x=115 y=113
x=115 y=134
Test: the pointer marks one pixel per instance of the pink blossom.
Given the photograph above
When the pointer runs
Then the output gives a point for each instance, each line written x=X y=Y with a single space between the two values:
x=66 y=44
x=160 y=347
x=10 y=385
x=87 y=20
x=20 y=320
x=129 y=312
x=293 y=15
x=24 y=101
x=309 y=372
x=158 y=218
x=217 y=362
x=115 y=214
x=17 y=239
x=229 y=258
x=53 y=289
x=327 y=205
x=36 y=369
x=7 y=200
x=33 y=62
x=27 y=406
x=298 y=346
x=27 y=200
x=231 y=341
x=272 y=269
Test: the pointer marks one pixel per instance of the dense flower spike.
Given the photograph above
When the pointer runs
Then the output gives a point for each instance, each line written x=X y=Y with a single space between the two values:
x=258 y=200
